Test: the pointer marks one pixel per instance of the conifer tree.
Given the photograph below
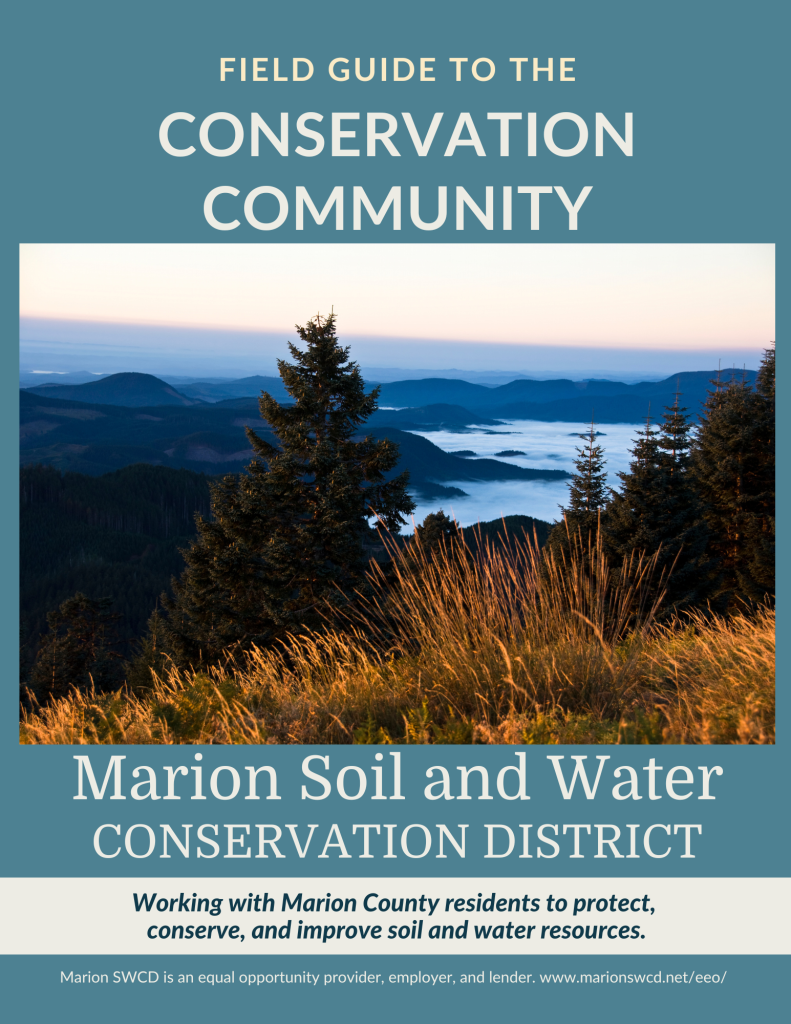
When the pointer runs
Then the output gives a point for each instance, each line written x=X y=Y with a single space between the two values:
x=436 y=529
x=286 y=537
x=733 y=464
x=632 y=514
x=434 y=536
x=587 y=495
x=656 y=512
x=77 y=651
x=761 y=526
x=150 y=655
x=683 y=533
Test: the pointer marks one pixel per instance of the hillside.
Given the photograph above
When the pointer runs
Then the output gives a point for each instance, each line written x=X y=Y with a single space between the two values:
x=116 y=535
x=96 y=439
x=135 y=390
x=550 y=400
x=514 y=527
x=427 y=463
x=246 y=387
x=604 y=409
x=119 y=535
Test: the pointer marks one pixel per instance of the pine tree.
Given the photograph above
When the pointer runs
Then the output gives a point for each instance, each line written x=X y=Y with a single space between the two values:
x=733 y=465
x=286 y=537
x=657 y=513
x=684 y=534
x=760 y=540
x=433 y=537
x=587 y=496
x=632 y=513
x=437 y=529
x=77 y=649
x=150 y=655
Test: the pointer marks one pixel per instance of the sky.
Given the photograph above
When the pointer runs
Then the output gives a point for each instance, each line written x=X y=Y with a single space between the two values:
x=228 y=309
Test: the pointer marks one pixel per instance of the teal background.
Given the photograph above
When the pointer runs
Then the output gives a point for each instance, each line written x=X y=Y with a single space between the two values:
x=750 y=982
x=745 y=829
x=92 y=82
x=85 y=87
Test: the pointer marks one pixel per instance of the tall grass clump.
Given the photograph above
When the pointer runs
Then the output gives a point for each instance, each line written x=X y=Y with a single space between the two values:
x=465 y=644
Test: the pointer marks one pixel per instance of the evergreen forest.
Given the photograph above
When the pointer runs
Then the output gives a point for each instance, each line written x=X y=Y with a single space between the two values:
x=276 y=600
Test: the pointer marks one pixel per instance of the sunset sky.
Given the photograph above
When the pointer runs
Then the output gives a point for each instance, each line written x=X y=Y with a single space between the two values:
x=227 y=309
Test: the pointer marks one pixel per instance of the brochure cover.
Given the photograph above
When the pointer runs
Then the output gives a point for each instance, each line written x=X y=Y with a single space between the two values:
x=393 y=581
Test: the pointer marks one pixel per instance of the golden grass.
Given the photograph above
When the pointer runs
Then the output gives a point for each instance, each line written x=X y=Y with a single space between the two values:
x=501 y=646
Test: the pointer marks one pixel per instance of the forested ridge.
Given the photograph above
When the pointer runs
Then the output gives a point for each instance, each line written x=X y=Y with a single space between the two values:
x=211 y=439
x=116 y=535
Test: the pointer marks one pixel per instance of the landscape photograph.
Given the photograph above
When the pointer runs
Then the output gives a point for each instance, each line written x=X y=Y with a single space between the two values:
x=397 y=494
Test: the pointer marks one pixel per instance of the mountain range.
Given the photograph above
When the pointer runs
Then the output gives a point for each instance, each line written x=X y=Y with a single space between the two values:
x=608 y=401
x=419 y=401
x=125 y=418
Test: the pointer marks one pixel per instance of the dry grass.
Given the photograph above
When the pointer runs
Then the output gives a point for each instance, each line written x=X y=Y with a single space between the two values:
x=720 y=675
x=503 y=646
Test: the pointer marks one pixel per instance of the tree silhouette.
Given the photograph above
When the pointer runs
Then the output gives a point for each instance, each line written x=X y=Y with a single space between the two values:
x=286 y=537
x=657 y=512
x=733 y=466
x=77 y=649
x=587 y=495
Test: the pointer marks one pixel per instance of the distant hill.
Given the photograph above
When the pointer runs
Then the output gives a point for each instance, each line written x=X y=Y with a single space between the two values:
x=613 y=409
x=430 y=467
x=95 y=439
x=498 y=531
x=246 y=387
x=134 y=390
x=404 y=393
x=550 y=400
